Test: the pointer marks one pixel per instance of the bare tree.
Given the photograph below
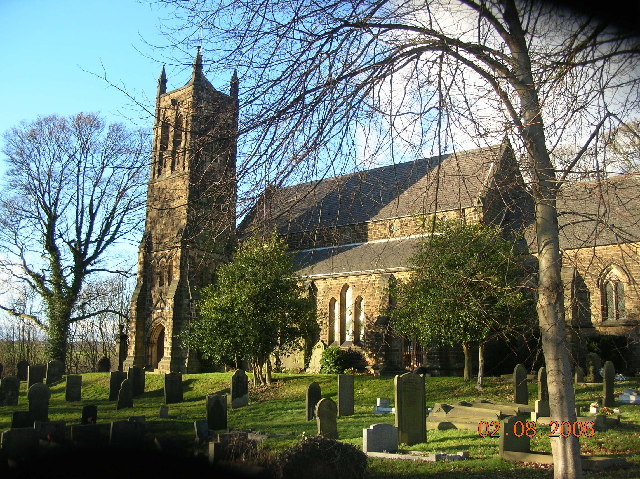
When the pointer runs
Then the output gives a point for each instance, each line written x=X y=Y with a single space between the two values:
x=73 y=190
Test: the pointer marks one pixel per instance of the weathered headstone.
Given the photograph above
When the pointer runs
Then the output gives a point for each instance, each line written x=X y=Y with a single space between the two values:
x=520 y=391
x=313 y=396
x=104 y=365
x=541 y=409
x=345 y=395
x=410 y=409
x=326 y=418
x=380 y=438
x=164 y=412
x=217 y=411
x=203 y=433
x=20 y=443
x=21 y=419
x=55 y=370
x=125 y=395
x=579 y=375
x=53 y=431
x=543 y=390
x=239 y=389
x=88 y=436
x=35 y=374
x=89 y=414
x=593 y=368
x=173 y=388
x=9 y=391
x=509 y=441
x=126 y=434
x=22 y=370
x=136 y=375
x=73 y=389
x=608 y=399
x=115 y=380
x=38 y=396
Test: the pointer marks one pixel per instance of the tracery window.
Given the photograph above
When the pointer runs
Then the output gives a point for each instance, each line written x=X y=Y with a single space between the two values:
x=612 y=295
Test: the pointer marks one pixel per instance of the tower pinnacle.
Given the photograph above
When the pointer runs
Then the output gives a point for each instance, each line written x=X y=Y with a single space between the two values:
x=162 y=82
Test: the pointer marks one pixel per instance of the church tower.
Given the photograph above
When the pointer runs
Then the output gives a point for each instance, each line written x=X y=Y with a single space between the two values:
x=190 y=220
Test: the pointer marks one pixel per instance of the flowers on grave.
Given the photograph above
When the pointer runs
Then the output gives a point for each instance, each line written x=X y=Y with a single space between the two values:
x=594 y=407
x=605 y=411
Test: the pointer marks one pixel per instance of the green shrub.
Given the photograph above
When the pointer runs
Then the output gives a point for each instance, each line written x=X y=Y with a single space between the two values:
x=335 y=360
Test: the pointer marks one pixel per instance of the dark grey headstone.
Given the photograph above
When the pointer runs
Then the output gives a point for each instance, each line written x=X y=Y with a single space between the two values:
x=20 y=443
x=20 y=419
x=89 y=414
x=608 y=399
x=345 y=395
x=164 y=412
x=53 y=431
x=38 y=396
x=327 y=418
x=543 y=389
x=520 y=390
x=411 y=409
x=115 y=380
x=125 y=396
x=380 y=438
x=35 y=374
x=136 y=375
x=509 y=441
x=217 y=411
x=89 y=436
x=593 y=368
x=73 y=389
x=313 y=396
x=239 y=389
x=55 y=370
x=579 y=375
x=9 y=391
x=126 y=434
x=203 y=433
x=172 y=388
x=22 y=370
x=104 y=365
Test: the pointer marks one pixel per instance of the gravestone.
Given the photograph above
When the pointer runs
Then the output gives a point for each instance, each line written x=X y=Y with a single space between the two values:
x=313 y=396
x=326 y=418
x=593 y=368
x=509 y=441
x=53 y=431
x=217 y=411
x=115 y=380
x=203 y=433
x=89 y=414
x=345 y=395
x=9 y=391
x=136 y=375
x=38 y=396
x=541 y=409
x=608 y=399
x=173 y=388
x=579 y=375
x=543 y=389
x=164 y=412
x=380 y=438
x=22 y=370
x=239 y=389
x=21 y=419
x=19 y=444
x=520 y=391
x=410 y=409
x=125 y=395
x=35 y=374
x=126 y=434
x=55 y=370
x=73 y=389
x=88 y=436
x=104 y=365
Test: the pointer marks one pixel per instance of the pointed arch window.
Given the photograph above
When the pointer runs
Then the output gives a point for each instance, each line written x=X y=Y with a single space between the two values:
x=346 y=314
x=177 y=133
x=358 y=326
x=612 y=294
x=333 y=330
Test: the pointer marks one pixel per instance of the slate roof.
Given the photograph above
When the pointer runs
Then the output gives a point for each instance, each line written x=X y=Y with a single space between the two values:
x=442 y=183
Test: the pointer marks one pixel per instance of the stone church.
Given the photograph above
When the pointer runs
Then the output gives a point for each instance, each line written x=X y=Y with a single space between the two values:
x=352 y=235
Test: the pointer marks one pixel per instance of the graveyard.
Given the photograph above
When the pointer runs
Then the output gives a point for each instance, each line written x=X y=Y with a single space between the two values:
x=279 y=416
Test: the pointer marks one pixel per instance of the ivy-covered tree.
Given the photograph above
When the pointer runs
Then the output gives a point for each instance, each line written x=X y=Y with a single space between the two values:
x=468 y=285
x=256 y=307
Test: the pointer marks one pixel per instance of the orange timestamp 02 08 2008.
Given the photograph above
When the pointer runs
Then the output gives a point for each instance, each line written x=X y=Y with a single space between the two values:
x=528 y=428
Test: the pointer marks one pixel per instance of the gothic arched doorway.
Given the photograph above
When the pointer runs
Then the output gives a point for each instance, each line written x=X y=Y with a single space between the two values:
x=156 y=346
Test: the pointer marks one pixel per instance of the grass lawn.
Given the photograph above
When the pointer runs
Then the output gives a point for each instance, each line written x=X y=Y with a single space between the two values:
x=280 y=411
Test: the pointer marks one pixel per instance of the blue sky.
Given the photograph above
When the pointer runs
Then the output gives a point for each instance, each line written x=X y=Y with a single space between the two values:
x=50 y=48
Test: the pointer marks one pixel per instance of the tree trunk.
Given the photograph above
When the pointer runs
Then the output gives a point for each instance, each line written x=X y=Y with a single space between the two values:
x=268 y=369
x=59 y=316
x=466 y=348
x=480 y=365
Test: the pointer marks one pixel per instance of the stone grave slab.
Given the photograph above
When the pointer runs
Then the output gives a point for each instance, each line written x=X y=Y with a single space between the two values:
x=126 y=434
x=345 y=395
x=73 y=389
x=313 y=396
x=380 y=438
x=520 y=390
x=594 y=363
x=125 y=396
x=136 y=376
x=53 y=431
x=410 y=408
x=217 y=411
x=173 y=388
x=163 y=413
x=55 y=370
x=19 y=443
x=9 y=391
x=326 y=418
x=115 y=380
x=609 y=376
x=35 y=374
x=104 y=365
x=509 y=441
x=89 y=414
x=38 y=397
x=22 y=370
x=21 y=419
x=239 y=389
x=89 y=436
